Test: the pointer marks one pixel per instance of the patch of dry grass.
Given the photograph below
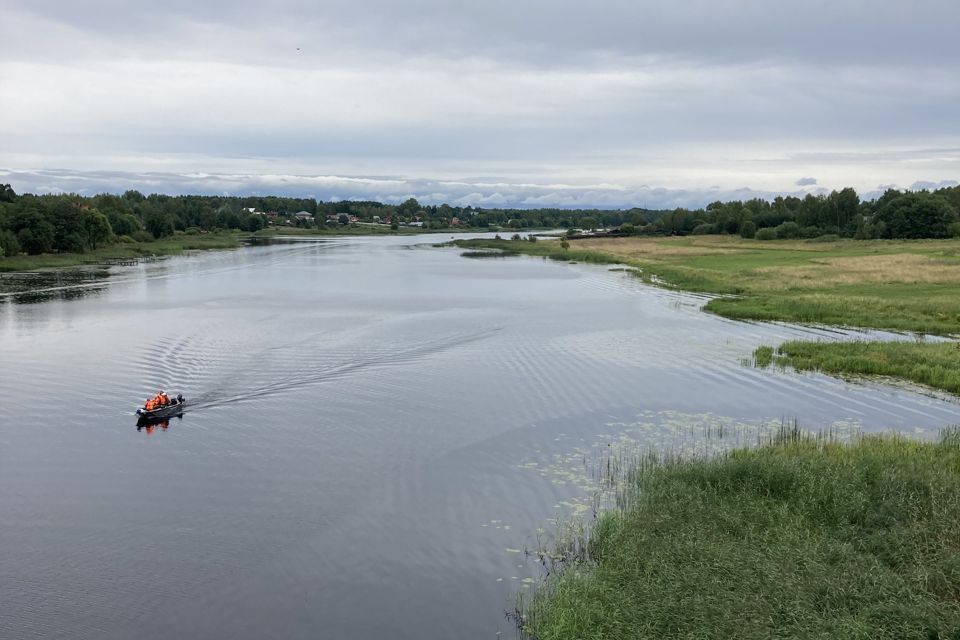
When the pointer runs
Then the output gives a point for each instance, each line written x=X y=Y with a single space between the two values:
x=638 y=248
x=903 y=268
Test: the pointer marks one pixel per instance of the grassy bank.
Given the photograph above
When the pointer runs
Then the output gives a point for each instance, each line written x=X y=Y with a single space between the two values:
x=801 y=538
x=163 y=247
x=935 y=365
x=898 y=285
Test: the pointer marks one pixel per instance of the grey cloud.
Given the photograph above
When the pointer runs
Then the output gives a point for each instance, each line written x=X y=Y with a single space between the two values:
x=805 y=182
x=543 y=31
x=928 y=185
x=478 y=192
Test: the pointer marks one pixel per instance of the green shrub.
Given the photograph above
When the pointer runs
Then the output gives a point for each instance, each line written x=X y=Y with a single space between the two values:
x=9 y=245
x=703 y=229
x=788 y=230
x=954 y=229
x=767 y=233
x=748 y=229
x=143 y=236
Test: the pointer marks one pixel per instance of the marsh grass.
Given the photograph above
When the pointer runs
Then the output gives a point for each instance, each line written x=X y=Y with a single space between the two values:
x=763 y=356
x=802 y=537
x=934 y=364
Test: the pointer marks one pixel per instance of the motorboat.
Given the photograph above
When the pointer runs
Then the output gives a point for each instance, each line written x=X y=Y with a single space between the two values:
x=164 y=412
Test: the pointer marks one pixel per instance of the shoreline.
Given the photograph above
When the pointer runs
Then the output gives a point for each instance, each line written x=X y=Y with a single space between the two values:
x=812 y=283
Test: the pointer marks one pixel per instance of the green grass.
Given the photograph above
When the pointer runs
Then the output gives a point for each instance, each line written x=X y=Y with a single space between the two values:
x=801 y=538
x=935 y=365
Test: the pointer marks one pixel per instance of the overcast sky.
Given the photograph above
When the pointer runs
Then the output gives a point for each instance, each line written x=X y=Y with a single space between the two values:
x=529 y=103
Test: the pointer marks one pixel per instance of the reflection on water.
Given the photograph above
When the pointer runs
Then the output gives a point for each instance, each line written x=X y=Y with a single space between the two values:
x=66 y=293
x=377 y=430
x=149 y=427
x=59 y=284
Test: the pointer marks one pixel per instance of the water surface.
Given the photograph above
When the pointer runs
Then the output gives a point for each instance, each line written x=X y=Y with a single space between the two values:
x=379 y=429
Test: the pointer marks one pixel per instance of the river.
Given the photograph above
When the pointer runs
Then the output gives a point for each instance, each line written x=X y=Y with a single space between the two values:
x=378 y=430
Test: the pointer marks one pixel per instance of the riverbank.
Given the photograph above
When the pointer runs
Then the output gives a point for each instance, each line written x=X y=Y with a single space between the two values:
x=896 y=285
x=802 y=537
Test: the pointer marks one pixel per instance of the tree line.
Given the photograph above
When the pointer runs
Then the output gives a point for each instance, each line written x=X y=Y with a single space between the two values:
x=895 y=214
x=37 y=224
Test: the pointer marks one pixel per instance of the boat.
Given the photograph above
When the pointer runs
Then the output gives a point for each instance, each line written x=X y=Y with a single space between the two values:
x=167 y=411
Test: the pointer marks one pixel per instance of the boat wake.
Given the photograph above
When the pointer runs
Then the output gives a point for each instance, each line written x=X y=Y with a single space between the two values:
x=233 y=375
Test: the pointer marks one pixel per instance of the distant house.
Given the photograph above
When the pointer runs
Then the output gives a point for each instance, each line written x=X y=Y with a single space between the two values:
x=303 y=215
x=455 y=222
x=333 y=217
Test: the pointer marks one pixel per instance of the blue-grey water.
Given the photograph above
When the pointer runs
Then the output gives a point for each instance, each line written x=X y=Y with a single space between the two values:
x=378 y=430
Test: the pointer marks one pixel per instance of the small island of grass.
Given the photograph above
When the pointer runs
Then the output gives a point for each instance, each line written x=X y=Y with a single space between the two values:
x=933 y=364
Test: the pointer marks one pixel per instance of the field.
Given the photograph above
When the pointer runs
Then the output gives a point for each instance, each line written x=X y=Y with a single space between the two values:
x=801 y=538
